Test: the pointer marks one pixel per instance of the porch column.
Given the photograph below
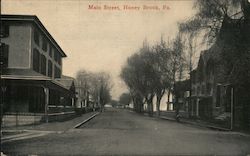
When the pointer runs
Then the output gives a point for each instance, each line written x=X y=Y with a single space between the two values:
x=46 y=92
x=72 y=102
x=197 y=107
x=232 y=108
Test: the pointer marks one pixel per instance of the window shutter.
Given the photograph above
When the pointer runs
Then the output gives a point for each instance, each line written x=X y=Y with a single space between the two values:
x=4 y=31
x=4 y=53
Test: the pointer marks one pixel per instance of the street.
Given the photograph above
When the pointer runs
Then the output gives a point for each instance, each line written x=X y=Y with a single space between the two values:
x=122 y=132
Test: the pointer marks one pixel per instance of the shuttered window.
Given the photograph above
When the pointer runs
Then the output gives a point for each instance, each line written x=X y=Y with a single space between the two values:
x=4 y=31
x=43 y=65
x=50 y=68
x=36 y=60
x=4 y=55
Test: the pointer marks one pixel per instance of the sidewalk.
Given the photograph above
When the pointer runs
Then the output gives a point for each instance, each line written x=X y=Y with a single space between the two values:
x=29 y=131
x=185 y=120
x=196 y=122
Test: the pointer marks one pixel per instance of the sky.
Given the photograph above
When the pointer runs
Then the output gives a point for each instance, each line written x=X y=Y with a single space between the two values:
x=102 y=39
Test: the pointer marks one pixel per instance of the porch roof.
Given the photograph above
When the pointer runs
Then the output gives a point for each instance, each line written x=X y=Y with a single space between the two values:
x=28 y=74
x=28 y=77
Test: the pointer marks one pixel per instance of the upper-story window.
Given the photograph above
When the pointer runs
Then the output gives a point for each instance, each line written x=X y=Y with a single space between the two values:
x=60 y=60
x=4 y=31
x=198 y=90
x=218 y=96
x=202 y=89
x=43 y=65
x=57 y=72
x=50 y=68
x=57 y=57
x=44 y=44
x=193 y=90
x=209 y=88
x=193 y=77
x=4 y=53
x=37 y=37
x=50 y=51
x=36 y=60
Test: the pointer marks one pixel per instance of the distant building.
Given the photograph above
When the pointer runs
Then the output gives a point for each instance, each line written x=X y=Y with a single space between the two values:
x=31 y=67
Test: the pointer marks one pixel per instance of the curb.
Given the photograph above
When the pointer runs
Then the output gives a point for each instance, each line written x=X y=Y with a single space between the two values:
x=197 y=124
x=88 y=119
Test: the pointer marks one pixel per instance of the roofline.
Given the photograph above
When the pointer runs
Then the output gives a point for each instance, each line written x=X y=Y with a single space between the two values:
x=16 y=77
x=34 y=19
x=35 y=78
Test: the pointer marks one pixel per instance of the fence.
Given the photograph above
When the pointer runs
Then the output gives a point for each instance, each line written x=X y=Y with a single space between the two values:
x=17 y=119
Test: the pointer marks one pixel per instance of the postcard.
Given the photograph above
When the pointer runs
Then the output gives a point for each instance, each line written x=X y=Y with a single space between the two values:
x=117 y=77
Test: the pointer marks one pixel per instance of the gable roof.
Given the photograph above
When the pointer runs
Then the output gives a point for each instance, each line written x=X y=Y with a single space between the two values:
x=67 y=82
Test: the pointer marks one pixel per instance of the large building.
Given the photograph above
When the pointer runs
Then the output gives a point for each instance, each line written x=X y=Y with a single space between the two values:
x=220 y=84
x=31 y=67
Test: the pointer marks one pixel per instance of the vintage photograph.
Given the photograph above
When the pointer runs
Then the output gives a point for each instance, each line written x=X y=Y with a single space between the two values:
x=125 y=77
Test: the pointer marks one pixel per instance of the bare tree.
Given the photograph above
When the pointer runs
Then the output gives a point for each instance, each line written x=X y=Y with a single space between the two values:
x=177 y=61
x=152 y=71
x=210 y=15
x=161 y=66
x=105 y=86
x=139 y=76
x=94 y=85
x=131 y=78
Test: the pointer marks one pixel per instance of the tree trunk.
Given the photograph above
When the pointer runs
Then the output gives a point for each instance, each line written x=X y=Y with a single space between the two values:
x=158 y=103
x=168 y=100
x=150 y=105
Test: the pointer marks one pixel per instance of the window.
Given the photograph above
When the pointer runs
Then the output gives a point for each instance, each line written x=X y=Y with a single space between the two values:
x=36 y=60
x=57 y=57
x=49 y=68
x=50 y=51
x=218 y=95
x=193 y=77
x=4 y=53
x=209 y=87
x=60 y=60
x=57 y=72
x=203 y=89
x=43 y=65
x=4 y=31
x=36 y=37
x=198 y=90
x=44 y=46
x=193 y=91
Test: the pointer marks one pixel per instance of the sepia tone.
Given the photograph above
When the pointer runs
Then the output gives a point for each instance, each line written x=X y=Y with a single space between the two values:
x=114 y=77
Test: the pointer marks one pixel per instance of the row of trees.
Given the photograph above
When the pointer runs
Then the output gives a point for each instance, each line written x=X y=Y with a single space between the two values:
x=94 y=87
x=152 y=71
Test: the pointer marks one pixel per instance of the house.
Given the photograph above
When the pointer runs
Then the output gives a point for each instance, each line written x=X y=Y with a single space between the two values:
x=31 y=67
x=215 y=95
x=69 y=83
